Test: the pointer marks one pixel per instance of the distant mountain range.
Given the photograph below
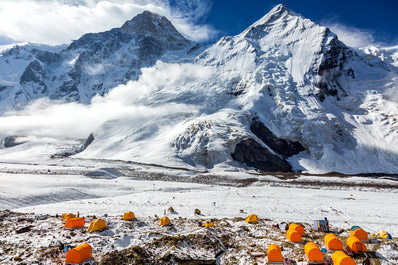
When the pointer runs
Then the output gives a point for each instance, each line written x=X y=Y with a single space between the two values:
x=284 y=95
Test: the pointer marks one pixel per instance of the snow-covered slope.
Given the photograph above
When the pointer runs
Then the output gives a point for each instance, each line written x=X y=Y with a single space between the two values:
x=388 y=54
x=285 y=89
x=91 y=65
x=283 y=95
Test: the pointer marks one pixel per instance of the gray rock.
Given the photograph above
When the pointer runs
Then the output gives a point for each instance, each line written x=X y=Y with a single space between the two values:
x=11 y=141
x=281 y=146
x=255 y=155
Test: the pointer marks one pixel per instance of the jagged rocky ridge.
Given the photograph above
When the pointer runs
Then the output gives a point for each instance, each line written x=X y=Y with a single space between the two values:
x=284 y=95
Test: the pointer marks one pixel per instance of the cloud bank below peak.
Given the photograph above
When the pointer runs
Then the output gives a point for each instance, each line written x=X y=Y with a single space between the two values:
x=61 y=21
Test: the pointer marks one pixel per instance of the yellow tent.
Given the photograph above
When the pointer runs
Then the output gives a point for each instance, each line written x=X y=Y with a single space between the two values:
x=382 y=234
x=274 y=254
x=68 y=215
x=313 y=253
x=252 y=218
x=359 y=233
x=164 y=221
x=293 y=236
x=297 y=227
x=340 y=258
x=332 y=242
x=355 y=244
x=209 y=224
x=128 y=216
x=96 y=225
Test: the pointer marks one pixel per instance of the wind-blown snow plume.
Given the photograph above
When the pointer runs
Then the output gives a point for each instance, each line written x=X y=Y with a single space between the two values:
x=392 y=93
x=41 y=21
x=45 y=118
x=352 y=36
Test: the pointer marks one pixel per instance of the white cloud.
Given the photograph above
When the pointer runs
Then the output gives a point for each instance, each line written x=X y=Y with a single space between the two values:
x=45 y=118
x=4 y=40
x=352 y=36
x=60 y=21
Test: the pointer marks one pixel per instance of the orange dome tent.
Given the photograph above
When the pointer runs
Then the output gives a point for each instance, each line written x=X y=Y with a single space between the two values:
x=68 y=215
x=297 y=227
x=74 y=222
x=355 y=245
x=78 y=254
x=313 y=253
x=164 y=221
x=359 y=233
x=252 y=218
x=293 y=236
x=340 y=258
x=332 y=242
x=96 y=225
x=274 y=253
x=128 y=216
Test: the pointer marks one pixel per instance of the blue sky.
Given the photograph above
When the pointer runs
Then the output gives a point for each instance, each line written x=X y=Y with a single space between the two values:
x=357 y=23
x=377 y=18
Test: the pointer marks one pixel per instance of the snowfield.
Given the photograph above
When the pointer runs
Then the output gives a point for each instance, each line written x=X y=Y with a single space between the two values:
x=95 y=189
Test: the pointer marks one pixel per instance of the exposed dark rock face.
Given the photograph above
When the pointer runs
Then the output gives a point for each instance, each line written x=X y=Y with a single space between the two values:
x=325 y=90
x=333 y=66
x=145 y=254
x=150 y=48
x=157 y=27
x=15 y=53
x=281 y=146
x=34 y=76
x=89 y=140
x=69 y=90
x=33 y=73
x=255 y=155
x=334 y=56
x=11 y=141
x=47 y=57
x=2 y=88
x=77 y=149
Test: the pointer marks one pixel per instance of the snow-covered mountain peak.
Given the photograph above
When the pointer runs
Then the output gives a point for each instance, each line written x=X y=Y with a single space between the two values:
x=90 y=65
x=146 y=23
x=296 y=43
x=283 y=95
x=282 y=23
x=149 y=24
x=281 y=17
x=278 y=12
x=285 y=67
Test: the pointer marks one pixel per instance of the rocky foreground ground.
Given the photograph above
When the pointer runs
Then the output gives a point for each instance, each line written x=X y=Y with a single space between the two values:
x=26 y=238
